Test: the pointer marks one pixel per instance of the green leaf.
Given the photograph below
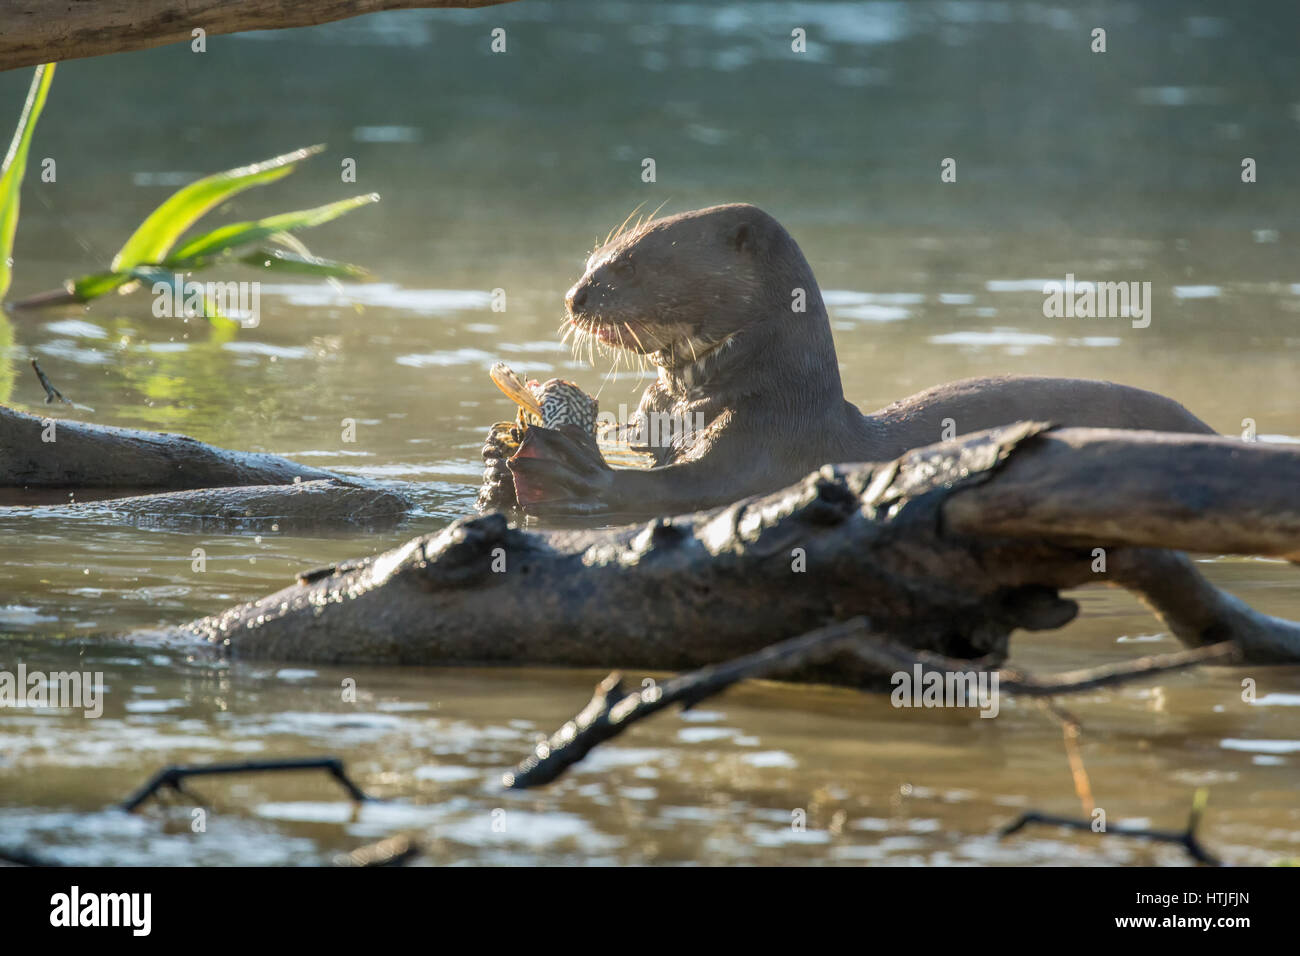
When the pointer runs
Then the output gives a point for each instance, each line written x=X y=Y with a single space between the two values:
x=277 y=260
x=15 y=165
x=96 y=284
x=154 y=238
x=242 y=233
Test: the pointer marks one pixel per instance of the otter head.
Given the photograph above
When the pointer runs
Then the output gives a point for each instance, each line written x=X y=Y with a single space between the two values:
x=679 y=288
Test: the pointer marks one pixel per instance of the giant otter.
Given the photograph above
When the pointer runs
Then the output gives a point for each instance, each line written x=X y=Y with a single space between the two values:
x=709 y=297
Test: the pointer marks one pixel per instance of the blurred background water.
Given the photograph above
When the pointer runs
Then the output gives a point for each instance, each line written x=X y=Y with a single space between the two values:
x=500 y=171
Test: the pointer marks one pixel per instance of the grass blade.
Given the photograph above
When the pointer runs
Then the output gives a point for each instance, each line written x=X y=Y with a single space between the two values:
x=155 y=237
x=279 y=260
x=243 y=233
x=15 y=165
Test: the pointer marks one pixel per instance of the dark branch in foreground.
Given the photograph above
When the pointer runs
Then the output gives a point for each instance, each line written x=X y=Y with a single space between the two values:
x=612 y=709
x=394 y=851
x=173 y=777
x=890 y=656
x=1185 y=838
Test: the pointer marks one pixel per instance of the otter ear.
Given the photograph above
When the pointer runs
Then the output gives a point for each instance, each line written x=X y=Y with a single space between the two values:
x=743 y=238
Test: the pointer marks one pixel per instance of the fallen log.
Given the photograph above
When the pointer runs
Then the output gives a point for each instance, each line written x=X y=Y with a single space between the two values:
x=1152 y=489
x=34 y=31
x=61 y=453
x=901 y=542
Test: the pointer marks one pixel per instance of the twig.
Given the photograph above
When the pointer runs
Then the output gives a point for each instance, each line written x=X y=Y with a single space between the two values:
x=393 y=851
x=1078 y=772
x=1184 y=838
x=51 y=393
x=889 y=655
x=172 y=777
x=1071 y=731
x=612 y=709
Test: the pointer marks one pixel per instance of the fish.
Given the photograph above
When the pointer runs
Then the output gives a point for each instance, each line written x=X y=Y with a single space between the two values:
x=554 y=403
x=550 y=404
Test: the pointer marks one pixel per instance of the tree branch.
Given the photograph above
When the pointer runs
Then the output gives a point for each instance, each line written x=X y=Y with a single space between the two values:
x=612 y=709
x=36 y=31
x=1185 y=838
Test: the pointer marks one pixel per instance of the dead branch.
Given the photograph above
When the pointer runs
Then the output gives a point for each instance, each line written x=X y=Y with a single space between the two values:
x=34 y=31
x=612 y=709
x=51 y=393
x=173 y=777
x=1185 y=838
x=904 y=542
x=890 y=656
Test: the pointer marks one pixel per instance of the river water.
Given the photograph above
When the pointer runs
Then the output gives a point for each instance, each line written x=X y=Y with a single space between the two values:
x=499 y=171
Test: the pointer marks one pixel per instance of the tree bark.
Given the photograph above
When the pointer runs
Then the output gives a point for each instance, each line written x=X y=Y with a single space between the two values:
x=39 y=31
x=1152 y=489
x=926 y=546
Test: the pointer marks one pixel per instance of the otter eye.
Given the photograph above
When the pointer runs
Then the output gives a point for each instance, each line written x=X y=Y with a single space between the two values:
x=623 y=268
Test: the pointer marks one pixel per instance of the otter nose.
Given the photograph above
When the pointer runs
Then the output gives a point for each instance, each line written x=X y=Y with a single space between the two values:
x=576 y=297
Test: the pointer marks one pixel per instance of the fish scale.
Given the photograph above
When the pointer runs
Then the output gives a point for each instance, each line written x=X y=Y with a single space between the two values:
x=551 y=404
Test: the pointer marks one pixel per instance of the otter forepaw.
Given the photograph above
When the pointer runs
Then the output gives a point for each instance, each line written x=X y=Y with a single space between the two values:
x=497 y=492
x=502 y=441
x=556 y=465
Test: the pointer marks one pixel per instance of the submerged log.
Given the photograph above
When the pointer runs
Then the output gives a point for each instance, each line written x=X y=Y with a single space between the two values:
x=909 y=543
x=59 y=453
x=35 y=31
x=296 y=507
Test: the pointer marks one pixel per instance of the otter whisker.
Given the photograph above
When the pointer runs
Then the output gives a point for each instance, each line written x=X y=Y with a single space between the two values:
x=575 y=330
x=606 y=378
x=640 y=358
x=619 y=231
x=658 y=208
x=640 y=355
x=632 y=332
x=622 y=346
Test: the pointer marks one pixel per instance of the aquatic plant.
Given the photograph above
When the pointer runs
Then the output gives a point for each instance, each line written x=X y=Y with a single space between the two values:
x=151 y=255
x=15 y=165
